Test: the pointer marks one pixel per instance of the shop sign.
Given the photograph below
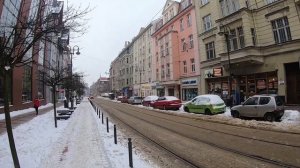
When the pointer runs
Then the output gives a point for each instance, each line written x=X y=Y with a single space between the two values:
x=189 y=82
x=146 y=87
x=217 y=72
x=159 y=86
x=281 y=82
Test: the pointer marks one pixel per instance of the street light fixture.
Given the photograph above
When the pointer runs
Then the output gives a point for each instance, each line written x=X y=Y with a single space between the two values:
x=225 y=30
x=72 y=52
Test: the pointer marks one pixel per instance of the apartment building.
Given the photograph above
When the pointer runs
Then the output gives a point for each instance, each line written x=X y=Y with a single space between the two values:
x=176 y=54
x=121 y=72
x=142 y=62
x=249 y=47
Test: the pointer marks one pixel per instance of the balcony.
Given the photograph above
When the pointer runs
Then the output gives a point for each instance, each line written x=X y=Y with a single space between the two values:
x=244 y=56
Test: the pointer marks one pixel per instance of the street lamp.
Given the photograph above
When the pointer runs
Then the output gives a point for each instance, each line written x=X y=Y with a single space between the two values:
x=72 y=52
x=225 y=30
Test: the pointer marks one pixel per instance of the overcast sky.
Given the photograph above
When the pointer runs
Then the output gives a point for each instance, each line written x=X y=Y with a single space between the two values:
x=111 y=23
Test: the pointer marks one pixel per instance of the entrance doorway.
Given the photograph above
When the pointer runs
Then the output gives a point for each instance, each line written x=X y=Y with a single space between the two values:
x=292 y=71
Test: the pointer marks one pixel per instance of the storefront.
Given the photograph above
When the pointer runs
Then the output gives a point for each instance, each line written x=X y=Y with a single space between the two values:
x=189 y=88
x=243 y=86
x=146 y=90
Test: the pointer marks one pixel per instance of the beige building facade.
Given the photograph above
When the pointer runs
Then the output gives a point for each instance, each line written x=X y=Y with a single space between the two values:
x=249 y=47
x=142 y=63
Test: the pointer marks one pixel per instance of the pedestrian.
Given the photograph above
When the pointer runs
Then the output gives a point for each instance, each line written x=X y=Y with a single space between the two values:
x=36 y=105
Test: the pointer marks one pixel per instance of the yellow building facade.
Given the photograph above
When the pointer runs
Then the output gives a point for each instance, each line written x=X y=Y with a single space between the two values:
x=249 y=47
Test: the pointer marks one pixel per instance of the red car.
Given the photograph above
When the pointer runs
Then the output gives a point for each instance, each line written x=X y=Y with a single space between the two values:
x=124 y=99
x=167 y=103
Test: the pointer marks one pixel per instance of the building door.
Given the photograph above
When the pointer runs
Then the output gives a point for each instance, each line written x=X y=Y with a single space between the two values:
x=293 y=83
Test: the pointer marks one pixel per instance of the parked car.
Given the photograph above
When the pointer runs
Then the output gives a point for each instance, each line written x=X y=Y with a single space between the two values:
x=124 y=99
x=269 y=107
x=147 y=100
x=167 y=103
x=208 y=104
x=135 y=100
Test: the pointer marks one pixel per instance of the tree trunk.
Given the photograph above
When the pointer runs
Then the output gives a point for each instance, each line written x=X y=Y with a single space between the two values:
x=8 y=120
x=54 y=104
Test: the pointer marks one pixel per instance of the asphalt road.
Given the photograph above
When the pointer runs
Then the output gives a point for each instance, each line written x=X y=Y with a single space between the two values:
x=209 y=144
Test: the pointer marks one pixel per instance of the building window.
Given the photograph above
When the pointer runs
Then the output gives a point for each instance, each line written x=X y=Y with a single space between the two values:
x=184 y=67
x=233 y=40
x=253 y=34
x=9 y=92
x=127 y=82
x=162 y=71
x=161 y=50
x=41 y=86
x=191 y=41
x=167 y=48
x=270 y=1
x=210 y=50
x=207 y=22
x=157 y=74
x=204 y=2
x=26 y=93
x=189 y=20
x=183 y=44
x=281 y=30
x=168 y=70
x=127 y=60
x=241 y=37
x=181 y=25
x=229 y=6
x=193 y=65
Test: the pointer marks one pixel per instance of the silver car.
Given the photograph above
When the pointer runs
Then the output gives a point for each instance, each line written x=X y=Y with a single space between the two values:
x=135 y=100
x=260 y=106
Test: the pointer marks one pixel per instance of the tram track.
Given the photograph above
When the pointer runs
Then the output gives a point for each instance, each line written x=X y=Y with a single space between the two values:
x=136 y=113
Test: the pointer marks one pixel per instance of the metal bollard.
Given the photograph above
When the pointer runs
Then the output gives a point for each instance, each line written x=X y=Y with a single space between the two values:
x=102 y=119
x=130 y=152
x=115 y=133
x=99 y=112
x=107 y=124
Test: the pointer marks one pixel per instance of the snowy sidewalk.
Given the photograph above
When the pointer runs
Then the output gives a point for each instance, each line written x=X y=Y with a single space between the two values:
x=80 y=141
x=80 y=145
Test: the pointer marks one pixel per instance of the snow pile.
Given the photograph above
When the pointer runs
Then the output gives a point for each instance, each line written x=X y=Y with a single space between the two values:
x=291 y=116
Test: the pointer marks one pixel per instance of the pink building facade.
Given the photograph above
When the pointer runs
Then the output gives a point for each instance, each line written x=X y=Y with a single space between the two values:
x=176 y=61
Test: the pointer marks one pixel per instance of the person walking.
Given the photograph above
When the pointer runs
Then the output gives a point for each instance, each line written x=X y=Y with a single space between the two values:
x=36 y=105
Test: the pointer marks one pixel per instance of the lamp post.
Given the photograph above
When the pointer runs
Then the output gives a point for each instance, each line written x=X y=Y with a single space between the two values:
x=72 y=52
x=225 y=30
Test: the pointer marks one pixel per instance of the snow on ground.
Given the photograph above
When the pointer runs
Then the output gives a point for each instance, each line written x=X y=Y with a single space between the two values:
x=80 y=141
x=20 y=112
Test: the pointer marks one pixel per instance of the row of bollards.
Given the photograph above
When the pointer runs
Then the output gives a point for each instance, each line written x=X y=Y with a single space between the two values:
x=98 y=111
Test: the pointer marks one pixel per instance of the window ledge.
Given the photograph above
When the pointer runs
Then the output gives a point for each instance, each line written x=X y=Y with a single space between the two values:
x=202 y=6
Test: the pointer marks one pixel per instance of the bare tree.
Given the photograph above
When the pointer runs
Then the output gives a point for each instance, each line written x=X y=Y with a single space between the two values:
x=54 y=76
x=30 y=23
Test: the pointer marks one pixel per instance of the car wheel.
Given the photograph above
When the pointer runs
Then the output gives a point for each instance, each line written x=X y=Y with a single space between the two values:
x=235 y=114
x=207 y=112
x=186 y=109
x=269 y=117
